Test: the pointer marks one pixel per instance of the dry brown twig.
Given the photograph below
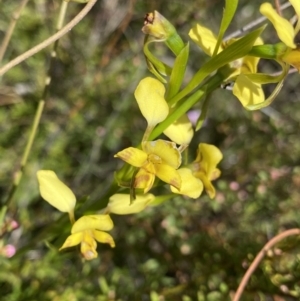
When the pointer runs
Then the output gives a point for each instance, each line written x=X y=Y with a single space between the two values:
x=270 y=244
x=50 y=40
x=278 y=8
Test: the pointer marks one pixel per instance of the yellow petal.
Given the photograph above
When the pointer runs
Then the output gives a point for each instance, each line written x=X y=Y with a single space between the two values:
x=208 y=157
x=190 y=185
x=204 y=38
x=292 y=57
x=89 y=222
x=209 y=188
x=87 y=252
x=144 y=180
x=165 y=150
x=248 y=92
x=88 y=246
x=149 y=167
x=149 y=95
x=168 y=174
x=55 y=192
x=72 y=240
x=283 y=27
x=133 y=156
x=104 y=238
x=120 y=203
x=181 y=131
x=249 y=63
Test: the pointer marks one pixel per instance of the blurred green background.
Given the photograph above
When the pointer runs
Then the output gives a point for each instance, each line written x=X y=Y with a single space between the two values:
x=184 y=249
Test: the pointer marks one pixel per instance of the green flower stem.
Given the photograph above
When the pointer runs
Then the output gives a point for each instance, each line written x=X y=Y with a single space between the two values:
x=147 y=133
x=269 y=51
x=72 y=217
x=2 y=215
x=185 y=156
x=38 y=113
x=19 y=173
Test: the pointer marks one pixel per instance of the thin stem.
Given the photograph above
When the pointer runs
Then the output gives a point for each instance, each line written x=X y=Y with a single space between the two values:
x=2 y=216
x=19 y=173
x=259 y=258
x=147 y=133
x=11 y=27
x=72 y=217
x=39 y=111
x=278 y=8
x=50 y=40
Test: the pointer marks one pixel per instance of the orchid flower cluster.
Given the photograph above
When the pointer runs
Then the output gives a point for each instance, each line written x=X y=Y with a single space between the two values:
x=164 y=104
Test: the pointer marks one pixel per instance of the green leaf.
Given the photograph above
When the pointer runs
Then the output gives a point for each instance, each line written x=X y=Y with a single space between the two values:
x=229 y=12
x=236 y=50
x=178 y=71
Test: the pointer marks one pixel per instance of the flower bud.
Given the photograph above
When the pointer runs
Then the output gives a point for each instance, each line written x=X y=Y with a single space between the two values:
x=160 y=28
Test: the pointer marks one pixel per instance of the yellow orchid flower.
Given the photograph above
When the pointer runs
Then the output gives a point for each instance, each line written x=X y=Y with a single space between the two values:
x=158 y=158
x=204 y=167
x=286 y=32
x=120 y=203
x=191 y=186
x=247 y=91
x=181 y=131
x=86 y=231
x=56 y=193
